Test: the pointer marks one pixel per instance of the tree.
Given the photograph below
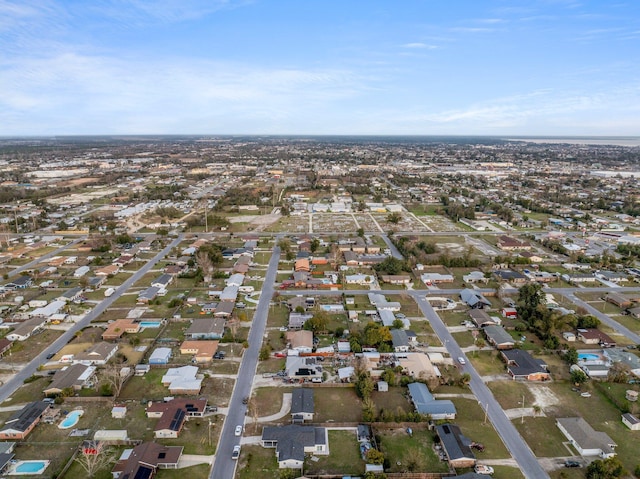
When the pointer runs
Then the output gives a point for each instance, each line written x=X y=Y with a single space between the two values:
x=578 y=376
x=315 y=244
x=112 y=376
x=368 y=410
x=364 y=385
x=374 y=456
x=394 y=218
x=205 y=264
x=571 y=355
x=609 y=468
x=318 y=322
x=618 y=372
x=265 y=353
x=92 y=463
x=360 y=232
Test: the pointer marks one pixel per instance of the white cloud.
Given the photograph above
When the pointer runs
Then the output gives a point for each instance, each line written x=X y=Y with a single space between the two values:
x=419 y=45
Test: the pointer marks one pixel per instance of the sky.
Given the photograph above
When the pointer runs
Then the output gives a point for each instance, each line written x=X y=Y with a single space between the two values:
x=352 y=67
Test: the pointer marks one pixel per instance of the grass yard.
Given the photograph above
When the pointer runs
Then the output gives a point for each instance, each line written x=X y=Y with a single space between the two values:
x=470 y=418
x=24 y=351
x=344 y=456
x=487 y=363
x=406 y=453
x=543 y=436
x=31 y=391
x=271 y=365
x=257 y=461
x=338 y=404
x=269 y=400
x=394 y=400
x=194 y=472
x=464 y=339
x=509 y=393
x=453 y=318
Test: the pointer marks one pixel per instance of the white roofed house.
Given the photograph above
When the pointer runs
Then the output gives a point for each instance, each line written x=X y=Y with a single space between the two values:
x=23 y=331
x=235 y=280
x=182 y=380
x=76 y=377
x=586 y=440
x=97 y=354
x=163 y=281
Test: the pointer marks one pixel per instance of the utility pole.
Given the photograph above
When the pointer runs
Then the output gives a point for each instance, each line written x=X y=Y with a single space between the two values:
x=522 y=417
x=206 y=219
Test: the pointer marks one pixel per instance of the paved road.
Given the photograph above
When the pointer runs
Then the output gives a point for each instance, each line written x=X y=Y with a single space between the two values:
x=394 y=251
x=39 y=260
x=506 y=430
x=604 y=318
x=224 y=466
x=14 y=383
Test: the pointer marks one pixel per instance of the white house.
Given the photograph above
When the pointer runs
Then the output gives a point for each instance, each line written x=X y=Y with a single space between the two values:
x=586 y=440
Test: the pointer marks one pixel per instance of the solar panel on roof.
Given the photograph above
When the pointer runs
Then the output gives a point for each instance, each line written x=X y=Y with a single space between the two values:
x=143 y=472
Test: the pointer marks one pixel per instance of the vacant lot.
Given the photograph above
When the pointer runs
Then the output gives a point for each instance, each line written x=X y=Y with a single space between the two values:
x=413 y=453
x=338 y=404
x=257 y=461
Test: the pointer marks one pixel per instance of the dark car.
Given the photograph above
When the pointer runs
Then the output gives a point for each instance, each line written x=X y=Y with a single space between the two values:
x=572 y=464
x=50 y=355
x=245 y=400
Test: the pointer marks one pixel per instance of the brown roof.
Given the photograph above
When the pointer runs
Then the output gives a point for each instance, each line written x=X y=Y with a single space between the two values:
x=147 y=455
x=204 y=348
x=119 y=327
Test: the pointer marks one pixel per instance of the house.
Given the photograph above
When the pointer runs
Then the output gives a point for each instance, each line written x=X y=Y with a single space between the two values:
x=182 y=380
x=302 y=265
x=116 y=329
x=475 y=277
x=147 y=295
x=5 y=345
x=235 y=279
x=54 y=307
x=635 y=312
x=425 y=403
x=297 y=320
x=362 y=279
x=522 y=366
x=631 y=421
x=456 y=447
x=506 y=243
x=481 y=318
x=620 y=300
x=474 y=299
x=436 y=278
x=23 y=331
x=302 y=405
x=95 y=282
x=396 y=279
x=173 y=414
x=109 y=270
x=297 y=302
x=229 y=293
x=74 y=377
x=97 y=354
x=206 y=328
x=202 y=351
x=224 y=309
x=498 y=337
x=81 y=271
x=144 y=460
x=22 y=422
x=300 y=341
x=293 y=441
x=510 y=276
x=162 y=282
x=399 y=340
x=595 y=336
x=302 y=368
x=160 y=356
x=21 y=282
x=586 y=440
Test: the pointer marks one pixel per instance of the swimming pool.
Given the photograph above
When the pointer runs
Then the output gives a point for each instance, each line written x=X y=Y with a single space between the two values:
x=150 y=324
x=588 y=357
x=28 y=467
x=71 y=420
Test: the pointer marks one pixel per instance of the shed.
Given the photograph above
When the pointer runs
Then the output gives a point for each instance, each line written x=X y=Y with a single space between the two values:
x=383 y=386
x=160 y=356
x=111 y=435
x=118 y=412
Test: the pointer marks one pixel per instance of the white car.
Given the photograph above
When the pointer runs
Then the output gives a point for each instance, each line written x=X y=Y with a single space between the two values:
x=462 y=361
x=482 y=469
x=236 y=452
x=238 y=430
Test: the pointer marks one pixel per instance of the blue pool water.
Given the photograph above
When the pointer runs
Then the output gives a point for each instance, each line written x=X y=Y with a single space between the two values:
x=31 y=466
x=149 y=324
x=71 y=419
x=588 y=357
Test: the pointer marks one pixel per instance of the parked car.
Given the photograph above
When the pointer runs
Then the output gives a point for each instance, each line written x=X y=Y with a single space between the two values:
x=569 y=463
x=236 y=452
x=238 y=431
x=462 y=361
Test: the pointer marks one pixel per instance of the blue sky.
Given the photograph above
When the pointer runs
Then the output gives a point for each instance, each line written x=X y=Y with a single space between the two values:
x=409 y=67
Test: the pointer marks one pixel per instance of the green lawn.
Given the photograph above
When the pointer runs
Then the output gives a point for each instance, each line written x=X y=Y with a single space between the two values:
x=470 y=418
x=338 y=404
x=257 y=461
x=487 y=362
x=543 y=436
x=344 y=456
x=413 y=453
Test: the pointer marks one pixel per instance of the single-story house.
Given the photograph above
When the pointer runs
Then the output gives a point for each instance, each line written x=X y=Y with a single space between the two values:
x=23 y=331
x=182 y=380
x=70 y=294
x=522 y=366
x=475 y=277
x=300 y=341
x=206 y=328
x=297 y=320
x=302 y=405
x=21 y=282
x=293 y=441
x=399 y=340
x=148 y=295
x=396 y=278
x=76 y=377
x=425 y=403
x=97 y=354
x=145 y=459
x=160 y=356
x=22 y=422
x=173 y=414
x=224 y=309
x=618 y=299
x=163 y=281
x=595 y=336
x=456 y=447
x=116 y=329
x=436 y=278
x=510 y=276
x=586 y=440
x=202 y=351
x=499 y=337
x=481 y=318
x=5 y=345
x=474 y=299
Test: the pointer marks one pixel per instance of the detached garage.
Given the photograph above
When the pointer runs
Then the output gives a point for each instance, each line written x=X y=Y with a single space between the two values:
x=160 y=356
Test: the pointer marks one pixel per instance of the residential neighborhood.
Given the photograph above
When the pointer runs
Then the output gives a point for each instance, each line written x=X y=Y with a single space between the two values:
x=219 y=310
